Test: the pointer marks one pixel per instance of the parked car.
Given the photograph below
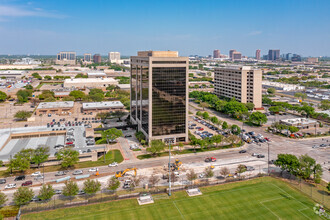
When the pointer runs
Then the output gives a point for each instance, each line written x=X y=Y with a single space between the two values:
x=35 y=199
x=93 y=169
x=27 y=183
x=36 y=173
x=81 y=192
x=40 y=177
x=18 y=178
x=260 y=156
x=3 y=181
x=60 y=173
x=57 y=191
x=249 y=168
x=10 y=186
x=242 y=151
x=255 y=154
x=126 y=136
x=114 y=164
x=77 y=172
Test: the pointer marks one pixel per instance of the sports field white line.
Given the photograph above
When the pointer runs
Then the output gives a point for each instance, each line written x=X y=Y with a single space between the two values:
x=300 y=210
x=178 y=210
x=269 y=210
x=289 y=195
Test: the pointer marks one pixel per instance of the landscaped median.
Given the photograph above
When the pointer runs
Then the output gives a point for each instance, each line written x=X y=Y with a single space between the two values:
x=264 y=198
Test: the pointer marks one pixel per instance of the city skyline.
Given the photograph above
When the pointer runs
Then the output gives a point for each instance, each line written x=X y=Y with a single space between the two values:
x=192 y=27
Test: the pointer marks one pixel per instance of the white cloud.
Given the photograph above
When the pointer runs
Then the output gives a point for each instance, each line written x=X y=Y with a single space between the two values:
x=15 y=11
x=253 y=33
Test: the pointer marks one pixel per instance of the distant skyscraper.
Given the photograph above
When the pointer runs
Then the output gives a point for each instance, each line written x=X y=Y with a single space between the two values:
x=66 y=58
x=87 y=57
x=236 y=55
x=273 y=55
x=258 y=54
x=114 y=57
x=216 y=54
x=97 y=58
x=231 y=53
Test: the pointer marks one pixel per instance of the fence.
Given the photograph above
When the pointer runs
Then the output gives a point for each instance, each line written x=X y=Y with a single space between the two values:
x=315 y=191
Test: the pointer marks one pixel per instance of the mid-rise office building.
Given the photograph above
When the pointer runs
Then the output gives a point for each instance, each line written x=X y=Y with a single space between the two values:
x=159 y=95
x=244 y=83
x=258 y=54
x=236 y=55
x=97 y=58
x=273 y=55
x=87 y=57
x=231 y=54
x=64 y=58
x=114 y=57
x=216 y=54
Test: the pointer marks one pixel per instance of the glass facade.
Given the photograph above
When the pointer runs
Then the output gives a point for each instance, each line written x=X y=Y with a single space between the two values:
x=145 y=98
x=168 y=100
x=133 y=91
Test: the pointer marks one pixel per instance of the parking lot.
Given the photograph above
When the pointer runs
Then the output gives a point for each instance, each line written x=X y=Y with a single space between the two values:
x=201 y=128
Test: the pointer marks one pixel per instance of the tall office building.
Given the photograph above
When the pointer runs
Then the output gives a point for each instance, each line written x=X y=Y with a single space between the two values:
x=258 y=54
x=244 y=83
x=216 y=54
x=236 y=55
x=64 y=58
x=231 y=54
x=273 y=55
x=97 y=58
x=114 y=57
x=159 y=95
x=87 y=57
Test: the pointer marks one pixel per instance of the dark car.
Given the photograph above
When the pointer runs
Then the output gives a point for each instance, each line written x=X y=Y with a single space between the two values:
x=27 y=183
x=18 y=178
x=2 y=181
x=260 y=156
x=242 y=151
x=126 y=136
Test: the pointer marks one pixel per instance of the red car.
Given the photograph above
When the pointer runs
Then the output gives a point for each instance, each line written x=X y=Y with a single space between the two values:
x=69 y=143
x=267 y=139
x=27 y=183
x=201 y=129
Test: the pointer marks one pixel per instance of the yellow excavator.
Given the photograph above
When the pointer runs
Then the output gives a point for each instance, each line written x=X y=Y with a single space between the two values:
x=176 y=165
x=122 y=173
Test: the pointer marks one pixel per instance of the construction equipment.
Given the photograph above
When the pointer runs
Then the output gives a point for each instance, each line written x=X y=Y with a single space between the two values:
x=123 y=172
x=176 y=165
x=210 y=159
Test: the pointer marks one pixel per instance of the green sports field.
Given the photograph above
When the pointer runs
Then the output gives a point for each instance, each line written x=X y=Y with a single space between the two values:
x=263 y=198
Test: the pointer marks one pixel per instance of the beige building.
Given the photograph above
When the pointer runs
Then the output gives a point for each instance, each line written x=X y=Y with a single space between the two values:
x=58 y=108
x=83 y=83
x=312 y=59
x=244 y=83
x=102 y=107
x=159 y=95
x=64 y=58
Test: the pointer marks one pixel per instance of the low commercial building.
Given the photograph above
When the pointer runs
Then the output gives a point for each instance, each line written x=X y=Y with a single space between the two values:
x=96 y=74
x=58 y=108
x=82 y=83
x=300 y=122
x=126 y=87
x=102 y=107
x=282 y=86
x=12 y=74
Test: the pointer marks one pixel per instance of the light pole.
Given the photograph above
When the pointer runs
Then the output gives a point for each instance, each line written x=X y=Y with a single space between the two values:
x=169 y=141
x=104 y=147
x=268 y=159
x=43 y=173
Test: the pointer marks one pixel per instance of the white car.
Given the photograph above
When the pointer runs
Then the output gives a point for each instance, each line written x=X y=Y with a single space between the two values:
x=114 y=164
x=10 y=186
x=38 y=173
x=93 y=169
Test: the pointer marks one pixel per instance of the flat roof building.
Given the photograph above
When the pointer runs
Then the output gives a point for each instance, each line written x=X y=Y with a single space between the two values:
x=87 y=57
x=64 y=58
x=102 y=106
x=216 y=54
x=58 y=108
x=243 y=83
x=159 y=95
x=114 y=57
x=300 y=123
x=82 y=83
x=97 y=58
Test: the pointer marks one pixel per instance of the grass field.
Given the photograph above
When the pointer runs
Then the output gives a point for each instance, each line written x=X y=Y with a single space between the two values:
x=263 y=198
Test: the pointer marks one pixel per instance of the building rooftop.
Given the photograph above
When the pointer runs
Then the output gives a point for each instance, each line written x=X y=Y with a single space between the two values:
x=299 y=121
x=151 y=53
x=90 y=80
x=102 y=105
x=124 y=86
x=47 y=105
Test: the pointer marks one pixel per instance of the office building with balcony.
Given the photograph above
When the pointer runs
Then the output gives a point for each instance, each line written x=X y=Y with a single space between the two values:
x=159 y=95
x=258 y=54
x=216 y=54
x=66 y=58
x=242 y=82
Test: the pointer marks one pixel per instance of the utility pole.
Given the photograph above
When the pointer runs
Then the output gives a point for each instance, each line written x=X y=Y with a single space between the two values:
x=268 y=159
x=43 y=173
x=104 y=148
x=169 y=169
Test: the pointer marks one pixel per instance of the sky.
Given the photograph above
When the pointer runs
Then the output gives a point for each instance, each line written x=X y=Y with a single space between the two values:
x=46 y=27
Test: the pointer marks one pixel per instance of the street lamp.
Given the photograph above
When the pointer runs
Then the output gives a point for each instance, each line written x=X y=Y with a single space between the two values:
x=268 y=159
x=169 y=141
x=104 y=147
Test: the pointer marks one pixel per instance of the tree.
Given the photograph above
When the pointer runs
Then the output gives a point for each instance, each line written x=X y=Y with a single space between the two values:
x=232 y=139
x=240 y=169
x=23 y=195
x=23 y=95
x=274 y=109
x=112 y=134
x=91 y=186
x=153 y=180
x=156 y=146
x=191 y=175
x=328 y=186
x=21 y=160
x=40 y=155
x=70 y=188
x=68 y=98
x=78 y=95
x=3 y=96
x=217 y=139
x=22 y=115
x=293 y=129
x=47 y=77
x=235 y=108
x=113 y=183
x=80 y=75
x=208 y=172
x=204 y=105
x=300 y=95
x=214 y=120
x=288 y=162
x=46 y=192
x=98 y=97
x=111 y=87
x=135 y=181
x=325 y=104
x=249 y=106
x=47 y=95
x=37 y=76
x=224 y=125
x=224 y=171
x=271 y=90
x=235 y=129
x=198 y=113
x=307 y=165
x=68 y=157
x=317 y=173
x=258 y=118
x=95 y=91
x=206 y=115
x=3 y=199
x=29 y=86
x=119 y=114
